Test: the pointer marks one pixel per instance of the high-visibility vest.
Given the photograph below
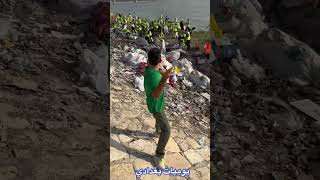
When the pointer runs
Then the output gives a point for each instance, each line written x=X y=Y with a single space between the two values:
x=188 y=36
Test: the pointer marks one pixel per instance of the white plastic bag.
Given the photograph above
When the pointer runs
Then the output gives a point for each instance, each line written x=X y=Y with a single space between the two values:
x=185 y=65
x=199 y=79
x=173 y=56
x=134 y=59
x=139 y=83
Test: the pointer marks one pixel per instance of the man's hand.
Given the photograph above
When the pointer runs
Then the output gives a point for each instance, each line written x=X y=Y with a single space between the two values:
x=167 y=74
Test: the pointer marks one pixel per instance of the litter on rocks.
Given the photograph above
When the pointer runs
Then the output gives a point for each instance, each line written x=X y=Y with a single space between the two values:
x=134 y=59
x=138 y=83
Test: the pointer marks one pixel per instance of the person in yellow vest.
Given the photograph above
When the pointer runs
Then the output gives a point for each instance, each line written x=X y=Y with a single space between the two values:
x=148 y=36
x=181 y=38
x=188 y=39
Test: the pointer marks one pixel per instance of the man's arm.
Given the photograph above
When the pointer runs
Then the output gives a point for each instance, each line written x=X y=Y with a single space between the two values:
x=158 y=90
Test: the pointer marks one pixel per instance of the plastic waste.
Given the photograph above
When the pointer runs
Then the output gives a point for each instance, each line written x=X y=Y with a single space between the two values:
x=140 y=51
x=199 y=79
x=138 y=83
x=186 y=82
x=184 y=65
x=163 y=46
x=173 y=56
x=134 y=59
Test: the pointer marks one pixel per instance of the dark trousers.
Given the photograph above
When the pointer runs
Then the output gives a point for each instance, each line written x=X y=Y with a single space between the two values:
x=162 y=123
x=188 y=43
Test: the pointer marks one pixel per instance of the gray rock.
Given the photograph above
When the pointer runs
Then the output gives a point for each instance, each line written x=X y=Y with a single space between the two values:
x=235 y=163
x=95 y=66
x=63 y=36
x=78 y=46
x=249 y=159
x=288 y=57
x=288 y=120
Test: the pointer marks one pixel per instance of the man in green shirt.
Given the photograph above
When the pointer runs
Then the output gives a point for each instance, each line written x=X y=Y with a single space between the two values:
x=154 y=82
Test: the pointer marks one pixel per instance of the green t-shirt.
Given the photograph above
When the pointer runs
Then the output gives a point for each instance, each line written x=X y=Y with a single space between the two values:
x=152 y=79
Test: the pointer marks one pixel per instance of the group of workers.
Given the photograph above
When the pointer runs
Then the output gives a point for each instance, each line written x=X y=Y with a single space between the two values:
x=154 y=29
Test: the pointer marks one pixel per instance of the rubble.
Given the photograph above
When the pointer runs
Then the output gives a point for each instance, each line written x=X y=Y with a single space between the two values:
x=94 y=65
x=254 y=119
x=46 y=106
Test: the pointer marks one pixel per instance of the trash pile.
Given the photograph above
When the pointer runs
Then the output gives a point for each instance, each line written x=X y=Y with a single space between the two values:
x=184 y=69
x=264 y=101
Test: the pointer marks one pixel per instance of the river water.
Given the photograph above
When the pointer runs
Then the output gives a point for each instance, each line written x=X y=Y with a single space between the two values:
x=197 y=11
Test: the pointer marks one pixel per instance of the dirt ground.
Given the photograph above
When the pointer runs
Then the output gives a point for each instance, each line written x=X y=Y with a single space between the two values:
x=51 y=128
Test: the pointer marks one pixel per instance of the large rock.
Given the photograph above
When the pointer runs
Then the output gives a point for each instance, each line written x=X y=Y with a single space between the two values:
x=246 y=20
x=298 y=16
x=193 y=157
x=176 y=160
x=143 y=146
x=95 y=67
x=287 y=56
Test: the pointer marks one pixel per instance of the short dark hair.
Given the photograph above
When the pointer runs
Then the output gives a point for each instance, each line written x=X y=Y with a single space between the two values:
x=154 y=56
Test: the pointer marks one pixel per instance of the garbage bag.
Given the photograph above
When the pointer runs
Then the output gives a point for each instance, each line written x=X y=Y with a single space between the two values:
x=199 y=79
x=140 y=51
x=184 y=64
x=186 y=82
x=173 y=56
x=134 y=59
x=138 y=83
